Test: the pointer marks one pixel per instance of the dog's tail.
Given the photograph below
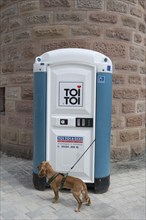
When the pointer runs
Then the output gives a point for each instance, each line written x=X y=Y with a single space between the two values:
x=86 y=198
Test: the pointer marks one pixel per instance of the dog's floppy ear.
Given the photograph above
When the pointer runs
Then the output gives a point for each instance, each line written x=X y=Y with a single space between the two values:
x=48 y=165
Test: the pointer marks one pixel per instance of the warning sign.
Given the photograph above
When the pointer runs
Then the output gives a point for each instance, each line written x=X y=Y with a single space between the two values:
x=69 y=142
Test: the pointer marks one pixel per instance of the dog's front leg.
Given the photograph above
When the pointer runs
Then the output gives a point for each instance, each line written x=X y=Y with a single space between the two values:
x=56 y=193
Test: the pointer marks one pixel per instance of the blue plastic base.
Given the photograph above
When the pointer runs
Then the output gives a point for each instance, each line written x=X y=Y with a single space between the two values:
x=101 y=185
x=39 y=183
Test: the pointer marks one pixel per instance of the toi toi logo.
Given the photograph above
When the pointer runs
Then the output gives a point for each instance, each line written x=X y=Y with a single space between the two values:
x=71 y=94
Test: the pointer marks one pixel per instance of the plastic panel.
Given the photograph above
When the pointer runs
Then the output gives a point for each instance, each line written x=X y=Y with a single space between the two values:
x=39 y=153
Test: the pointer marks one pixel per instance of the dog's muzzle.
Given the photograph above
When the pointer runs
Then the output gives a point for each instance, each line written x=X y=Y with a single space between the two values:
x=41 y=175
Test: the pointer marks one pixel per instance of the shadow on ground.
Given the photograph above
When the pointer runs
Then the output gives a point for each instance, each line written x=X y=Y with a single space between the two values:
x=125 y=166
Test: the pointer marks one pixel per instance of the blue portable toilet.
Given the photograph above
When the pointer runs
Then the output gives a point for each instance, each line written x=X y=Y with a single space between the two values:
x=72 y=107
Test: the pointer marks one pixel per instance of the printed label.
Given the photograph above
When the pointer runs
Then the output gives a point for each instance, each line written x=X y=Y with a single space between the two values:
x=69 y=142
x=71 y=94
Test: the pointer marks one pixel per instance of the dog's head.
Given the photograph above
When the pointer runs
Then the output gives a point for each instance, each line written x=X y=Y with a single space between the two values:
x=43 y=168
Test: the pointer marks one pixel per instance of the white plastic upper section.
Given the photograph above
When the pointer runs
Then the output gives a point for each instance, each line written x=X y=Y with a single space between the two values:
x=73 y=56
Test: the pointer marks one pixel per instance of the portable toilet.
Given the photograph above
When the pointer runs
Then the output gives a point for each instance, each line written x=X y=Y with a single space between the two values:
x=72 y=108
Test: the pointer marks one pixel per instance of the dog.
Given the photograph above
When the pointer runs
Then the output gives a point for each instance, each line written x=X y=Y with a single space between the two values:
x=77 y=186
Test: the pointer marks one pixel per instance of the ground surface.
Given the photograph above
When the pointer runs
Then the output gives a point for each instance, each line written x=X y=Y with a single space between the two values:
x=124 y=200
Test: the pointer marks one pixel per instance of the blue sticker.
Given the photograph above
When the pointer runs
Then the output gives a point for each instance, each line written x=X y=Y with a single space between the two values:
x=101 y=79
x=108 y=68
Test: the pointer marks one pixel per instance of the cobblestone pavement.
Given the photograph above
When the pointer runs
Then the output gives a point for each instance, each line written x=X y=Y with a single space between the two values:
x=125 y=199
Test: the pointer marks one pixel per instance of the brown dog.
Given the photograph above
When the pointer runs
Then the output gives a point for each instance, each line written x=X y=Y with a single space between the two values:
x=77 y=186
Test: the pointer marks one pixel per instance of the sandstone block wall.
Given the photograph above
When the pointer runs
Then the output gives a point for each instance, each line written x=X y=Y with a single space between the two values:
x=116 y=28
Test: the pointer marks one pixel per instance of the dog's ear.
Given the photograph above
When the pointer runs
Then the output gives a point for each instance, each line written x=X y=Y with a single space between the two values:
x=48 y=165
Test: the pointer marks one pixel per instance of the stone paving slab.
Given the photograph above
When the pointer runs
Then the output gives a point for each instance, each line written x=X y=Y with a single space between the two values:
x=19 y=200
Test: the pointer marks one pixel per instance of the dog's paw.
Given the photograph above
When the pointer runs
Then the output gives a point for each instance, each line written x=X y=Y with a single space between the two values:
x=86 y=203
x=55 y=201
x=77 y=210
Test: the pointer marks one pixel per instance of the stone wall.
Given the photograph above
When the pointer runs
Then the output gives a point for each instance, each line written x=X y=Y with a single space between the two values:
x=116 y=28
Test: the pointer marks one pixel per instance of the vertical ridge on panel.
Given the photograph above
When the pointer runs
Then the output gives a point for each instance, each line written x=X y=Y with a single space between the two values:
x=39 y=151
x=103 y=128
